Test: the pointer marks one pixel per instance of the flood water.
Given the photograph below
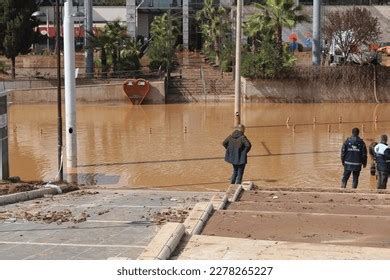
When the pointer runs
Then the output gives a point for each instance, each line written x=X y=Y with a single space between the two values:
x=179 y=146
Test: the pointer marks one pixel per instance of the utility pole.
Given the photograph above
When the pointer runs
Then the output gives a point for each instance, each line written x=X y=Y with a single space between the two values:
x=237 y=76
x=169 y=19
x=70 y=90
x=316 y=47
x=59 y=100
x=88 y=6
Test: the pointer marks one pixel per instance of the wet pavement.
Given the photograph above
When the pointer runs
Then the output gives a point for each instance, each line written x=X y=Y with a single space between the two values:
x=178 y=146
x=117 y=224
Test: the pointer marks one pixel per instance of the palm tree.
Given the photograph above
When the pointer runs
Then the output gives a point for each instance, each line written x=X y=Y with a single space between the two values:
x=257 y=29
x=163 y=32
x=281 y=13
x=101 y=41
x=117 y=33
x=214 y=26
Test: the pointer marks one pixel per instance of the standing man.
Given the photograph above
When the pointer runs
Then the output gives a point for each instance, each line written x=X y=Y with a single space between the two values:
x=382 y=155
x=353 y=156
x=237 y=147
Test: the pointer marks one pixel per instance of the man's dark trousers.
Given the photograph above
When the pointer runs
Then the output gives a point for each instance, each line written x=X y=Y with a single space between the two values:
x=382 y=180
x=347 y=174
x=238 y=172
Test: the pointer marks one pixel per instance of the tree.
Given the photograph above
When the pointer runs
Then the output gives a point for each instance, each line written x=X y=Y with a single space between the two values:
x=281 y=13
x=351 y=29
x=257 y=30
x=100 y=41
x=116 y=47
x=214 y=26
x=16 y=28
x=161 y=52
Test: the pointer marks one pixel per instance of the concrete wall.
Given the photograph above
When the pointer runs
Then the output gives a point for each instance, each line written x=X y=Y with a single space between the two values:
x=298 y=90
x=90 y=93
x=143 y=25
x=100 y=13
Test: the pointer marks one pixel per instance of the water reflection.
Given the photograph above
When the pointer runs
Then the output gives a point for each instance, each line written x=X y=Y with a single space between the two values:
x=179 y=146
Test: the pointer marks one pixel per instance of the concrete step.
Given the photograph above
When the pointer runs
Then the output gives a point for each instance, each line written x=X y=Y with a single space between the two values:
x=202 y=247
x=356 y=230
x=262 y=196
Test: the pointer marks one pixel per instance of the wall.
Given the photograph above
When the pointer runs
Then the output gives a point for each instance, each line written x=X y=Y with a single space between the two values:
x=100 y=13
x=341 y=84
x=90 y=93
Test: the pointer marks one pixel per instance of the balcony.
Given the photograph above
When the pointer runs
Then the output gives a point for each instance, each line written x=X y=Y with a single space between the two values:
x=159 y=4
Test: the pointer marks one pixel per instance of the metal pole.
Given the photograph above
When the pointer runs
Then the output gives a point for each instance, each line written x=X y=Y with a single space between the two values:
x=169 y=46
x=316 y=49
x=237 y=81
x=59 y=108
x=88 y=6
x=70 y=90
x=47 y=30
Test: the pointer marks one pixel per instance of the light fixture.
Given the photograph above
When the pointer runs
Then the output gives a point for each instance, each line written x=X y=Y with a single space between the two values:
x=38 y=14
x=78 y=14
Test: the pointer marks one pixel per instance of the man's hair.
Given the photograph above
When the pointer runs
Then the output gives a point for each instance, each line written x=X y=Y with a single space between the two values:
x=384 y=139
x=240 y=127
x=355 y=131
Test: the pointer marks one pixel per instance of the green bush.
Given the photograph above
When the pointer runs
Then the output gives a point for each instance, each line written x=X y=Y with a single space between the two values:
x=129 y=63
x=226 y=65
x=227 y=57
x=266 y=63
x=154 y=65
x=2 y=67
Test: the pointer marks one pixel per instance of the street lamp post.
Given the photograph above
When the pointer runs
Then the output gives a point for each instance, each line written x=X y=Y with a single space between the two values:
x=70 y=90
x=316 y=46
x=59 y=109
x=237 y=76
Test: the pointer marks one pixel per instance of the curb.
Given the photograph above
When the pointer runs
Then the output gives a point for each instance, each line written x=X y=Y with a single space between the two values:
x=248 y=185
x=234 y=191
x=219 y=201
x=237 y=193
x=29 y=195
x=198 y=217
x=164 y=243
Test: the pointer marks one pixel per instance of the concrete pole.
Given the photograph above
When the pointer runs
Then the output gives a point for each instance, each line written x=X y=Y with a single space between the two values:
x=70 y=89
x=316 y=47
x=131 y=17
x=237 y=76
x=88 y=7
x=186 y=29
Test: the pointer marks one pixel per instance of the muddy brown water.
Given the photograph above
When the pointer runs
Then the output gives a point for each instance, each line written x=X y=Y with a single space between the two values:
x=179 y=146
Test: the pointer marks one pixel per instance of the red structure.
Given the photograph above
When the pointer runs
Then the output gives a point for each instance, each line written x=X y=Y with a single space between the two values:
x=136 y=90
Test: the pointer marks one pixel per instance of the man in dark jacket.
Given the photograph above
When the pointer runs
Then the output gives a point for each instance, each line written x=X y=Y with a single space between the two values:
x=353 y=156
x=382 y=156
x=237 y=147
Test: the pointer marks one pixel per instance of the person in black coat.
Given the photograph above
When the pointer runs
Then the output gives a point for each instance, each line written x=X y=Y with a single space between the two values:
x=382 y=156
x=353 y=156
x=237 y=147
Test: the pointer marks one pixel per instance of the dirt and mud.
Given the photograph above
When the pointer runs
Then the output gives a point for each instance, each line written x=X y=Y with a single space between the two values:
x=10 y=188
x=359 y=219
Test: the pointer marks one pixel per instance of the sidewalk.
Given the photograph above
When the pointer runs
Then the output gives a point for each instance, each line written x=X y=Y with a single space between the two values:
x=102 y=223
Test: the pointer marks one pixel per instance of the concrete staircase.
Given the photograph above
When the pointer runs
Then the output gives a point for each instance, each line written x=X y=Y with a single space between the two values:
x=186 y=83
x=301 y=223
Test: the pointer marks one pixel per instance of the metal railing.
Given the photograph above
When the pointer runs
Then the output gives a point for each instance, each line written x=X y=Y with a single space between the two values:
x=348 y=2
